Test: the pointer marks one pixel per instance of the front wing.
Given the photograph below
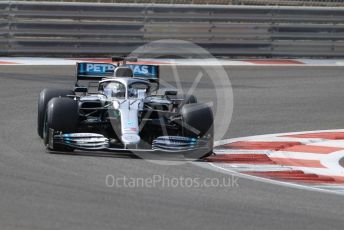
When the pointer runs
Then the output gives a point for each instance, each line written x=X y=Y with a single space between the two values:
x=98 y=142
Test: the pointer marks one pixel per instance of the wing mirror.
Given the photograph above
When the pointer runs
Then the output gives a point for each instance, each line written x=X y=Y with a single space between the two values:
x=170 y=92
x=80 y=89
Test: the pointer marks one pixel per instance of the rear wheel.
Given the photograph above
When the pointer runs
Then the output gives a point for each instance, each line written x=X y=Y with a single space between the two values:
x=61 y=115
x=181 y=100
x=186 y=98
x=189 y=99
x=44 y=97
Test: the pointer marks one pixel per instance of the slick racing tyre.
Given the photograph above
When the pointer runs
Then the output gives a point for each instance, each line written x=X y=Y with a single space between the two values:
x=44 y=97
x=62 y=115
x=198 y=122
x=189 y=99
x=183 y=99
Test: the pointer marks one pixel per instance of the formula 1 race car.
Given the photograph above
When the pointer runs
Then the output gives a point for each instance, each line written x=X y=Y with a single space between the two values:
x=124 y=113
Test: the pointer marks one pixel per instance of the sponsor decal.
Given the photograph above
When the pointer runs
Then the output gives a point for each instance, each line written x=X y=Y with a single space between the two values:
x=95 y=68
x=99 y=68
x=106 y=69
x=130 y=138
x=130 y=130
x=140 y=69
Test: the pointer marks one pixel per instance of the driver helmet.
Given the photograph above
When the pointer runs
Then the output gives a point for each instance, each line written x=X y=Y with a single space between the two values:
x=114 y=89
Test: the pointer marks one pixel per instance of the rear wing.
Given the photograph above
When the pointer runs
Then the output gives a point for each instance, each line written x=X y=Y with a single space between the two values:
x=97 y=71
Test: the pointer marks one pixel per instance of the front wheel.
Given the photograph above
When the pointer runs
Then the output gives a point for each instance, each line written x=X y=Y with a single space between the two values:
x=61 y=116
x=44 y=97
x=198 y=122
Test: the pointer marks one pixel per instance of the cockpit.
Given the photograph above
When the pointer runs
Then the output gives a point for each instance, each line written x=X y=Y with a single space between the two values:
x=116 y=89
x=113 y=89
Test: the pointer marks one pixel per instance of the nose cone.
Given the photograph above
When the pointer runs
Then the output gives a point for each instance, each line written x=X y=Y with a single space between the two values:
x=130 y=139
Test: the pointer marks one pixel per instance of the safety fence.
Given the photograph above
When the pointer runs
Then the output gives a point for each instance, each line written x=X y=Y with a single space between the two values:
x=84 y=29
x=329 y=3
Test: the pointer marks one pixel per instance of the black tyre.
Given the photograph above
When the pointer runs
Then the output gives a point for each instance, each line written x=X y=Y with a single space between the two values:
x=198 y=122
x=184 y=99
x=44 y=97
x=188 y=99
x=199 y=118
x=62 y=115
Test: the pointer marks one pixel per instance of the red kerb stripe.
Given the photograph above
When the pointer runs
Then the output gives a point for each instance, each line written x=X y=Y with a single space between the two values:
x=259 y=145
x=240 y=158
x=297 y=175
x=7 y=62
x=322 y=135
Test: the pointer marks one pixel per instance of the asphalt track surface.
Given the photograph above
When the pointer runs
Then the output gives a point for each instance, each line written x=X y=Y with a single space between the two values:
x=53 y=191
